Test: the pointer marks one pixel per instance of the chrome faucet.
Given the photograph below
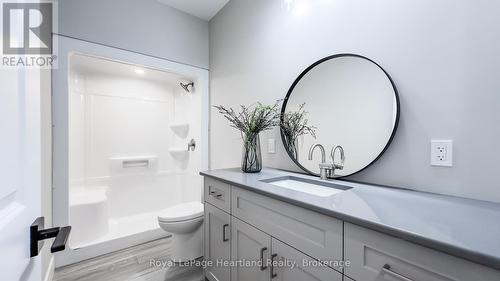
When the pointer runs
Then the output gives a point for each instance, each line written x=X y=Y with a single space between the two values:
x=342 y=158
x=325 y=169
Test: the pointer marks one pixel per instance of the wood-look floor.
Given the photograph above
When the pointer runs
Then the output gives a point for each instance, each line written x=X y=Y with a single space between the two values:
x=132 y=264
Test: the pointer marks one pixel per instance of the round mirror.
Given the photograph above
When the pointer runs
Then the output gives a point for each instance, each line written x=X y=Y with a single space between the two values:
x=345 y=101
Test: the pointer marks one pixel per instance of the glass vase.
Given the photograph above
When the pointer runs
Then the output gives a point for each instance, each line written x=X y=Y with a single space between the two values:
x=292 y=147
x=251 y=161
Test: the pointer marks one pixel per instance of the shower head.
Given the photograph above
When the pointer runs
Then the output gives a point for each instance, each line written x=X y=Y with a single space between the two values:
x=186 y=86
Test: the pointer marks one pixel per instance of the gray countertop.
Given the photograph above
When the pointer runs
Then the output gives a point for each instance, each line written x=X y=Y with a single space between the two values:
x=466 y=228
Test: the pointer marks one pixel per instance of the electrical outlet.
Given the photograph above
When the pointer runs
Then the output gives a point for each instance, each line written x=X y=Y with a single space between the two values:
x=271 y=146
x=442 y=153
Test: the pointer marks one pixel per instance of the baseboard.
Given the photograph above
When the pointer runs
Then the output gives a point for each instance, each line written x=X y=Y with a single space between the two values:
x=50 y=270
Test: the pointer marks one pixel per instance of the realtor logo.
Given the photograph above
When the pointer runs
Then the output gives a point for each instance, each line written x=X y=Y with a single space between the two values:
x=27 y=28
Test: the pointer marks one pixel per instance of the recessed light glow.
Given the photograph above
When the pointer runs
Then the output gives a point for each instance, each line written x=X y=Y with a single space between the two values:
x=139 y=71
x=288 y=4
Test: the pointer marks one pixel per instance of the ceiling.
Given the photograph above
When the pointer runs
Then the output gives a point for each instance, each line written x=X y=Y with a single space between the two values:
x=203 y=9
x=89 y=65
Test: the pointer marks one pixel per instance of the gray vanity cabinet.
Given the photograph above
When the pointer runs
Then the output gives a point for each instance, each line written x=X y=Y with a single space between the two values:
x=249 y=244
x=217 y=243
x=375 y=256
x=304 y=267
x=246 y=225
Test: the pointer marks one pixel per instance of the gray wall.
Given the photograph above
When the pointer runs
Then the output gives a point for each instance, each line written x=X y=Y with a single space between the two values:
x=442 y=55
x=144 y=26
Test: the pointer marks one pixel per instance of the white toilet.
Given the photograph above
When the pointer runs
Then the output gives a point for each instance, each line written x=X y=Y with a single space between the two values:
x=184 y=221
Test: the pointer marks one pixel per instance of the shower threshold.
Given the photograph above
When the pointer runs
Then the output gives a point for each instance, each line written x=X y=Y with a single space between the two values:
x=125 y=226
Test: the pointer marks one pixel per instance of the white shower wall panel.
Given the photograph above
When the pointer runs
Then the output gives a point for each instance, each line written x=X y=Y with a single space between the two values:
x=115 y=118
x=122 y=117
x=76 y=116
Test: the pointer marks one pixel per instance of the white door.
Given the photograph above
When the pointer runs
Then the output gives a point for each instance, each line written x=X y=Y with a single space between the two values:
x=20 y=172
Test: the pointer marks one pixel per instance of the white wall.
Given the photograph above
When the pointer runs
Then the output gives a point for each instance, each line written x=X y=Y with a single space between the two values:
x=144 y=26
x=442 y=55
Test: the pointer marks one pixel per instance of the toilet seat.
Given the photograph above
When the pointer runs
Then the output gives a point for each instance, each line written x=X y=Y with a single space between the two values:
x=181 y=212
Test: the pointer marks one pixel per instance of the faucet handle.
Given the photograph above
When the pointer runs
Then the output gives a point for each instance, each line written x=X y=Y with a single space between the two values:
x=326 y=166
x=342 y=157
x=326 y=170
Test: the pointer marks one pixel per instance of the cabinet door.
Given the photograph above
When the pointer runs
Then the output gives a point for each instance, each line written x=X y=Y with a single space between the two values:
x=249 y=244
x=217 y=243
x=292 y=265
x=375 y=256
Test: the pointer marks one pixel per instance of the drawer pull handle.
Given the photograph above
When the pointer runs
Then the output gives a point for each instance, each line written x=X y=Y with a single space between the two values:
x=387 y=269
x=262 y=265
x=224 y=238
x=215 y=194
x=271 y=271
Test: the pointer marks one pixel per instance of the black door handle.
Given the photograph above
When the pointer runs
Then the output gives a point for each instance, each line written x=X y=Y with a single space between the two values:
x=61 y=239
x=38 y=234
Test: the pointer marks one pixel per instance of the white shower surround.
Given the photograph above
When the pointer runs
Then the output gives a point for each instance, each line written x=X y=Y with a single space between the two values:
x=111 y=207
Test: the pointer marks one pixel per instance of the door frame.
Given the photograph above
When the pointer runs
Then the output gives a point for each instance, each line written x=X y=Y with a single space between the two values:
x=60 y=168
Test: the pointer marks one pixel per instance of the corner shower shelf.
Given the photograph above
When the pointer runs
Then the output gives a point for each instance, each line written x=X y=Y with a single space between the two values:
x=180 y=129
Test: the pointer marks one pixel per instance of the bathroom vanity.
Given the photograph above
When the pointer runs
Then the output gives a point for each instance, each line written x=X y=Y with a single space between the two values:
x=298 y=227
x=360 y=232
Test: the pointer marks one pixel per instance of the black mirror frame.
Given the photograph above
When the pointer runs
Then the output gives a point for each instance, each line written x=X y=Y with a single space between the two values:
x=292 y=87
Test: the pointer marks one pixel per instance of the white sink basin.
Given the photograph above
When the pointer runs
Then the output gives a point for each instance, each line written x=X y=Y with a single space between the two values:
x=317 y=188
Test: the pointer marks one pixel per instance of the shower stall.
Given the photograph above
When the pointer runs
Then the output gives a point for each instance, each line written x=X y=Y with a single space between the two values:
x=133 y=138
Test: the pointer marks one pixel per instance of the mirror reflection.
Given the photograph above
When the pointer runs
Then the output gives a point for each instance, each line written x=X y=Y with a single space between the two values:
x=339 y=116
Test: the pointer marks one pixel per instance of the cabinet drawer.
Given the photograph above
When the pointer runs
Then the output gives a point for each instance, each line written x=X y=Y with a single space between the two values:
x=304 y=267
x=218 y=194
x=376 y=256
x=315 y=234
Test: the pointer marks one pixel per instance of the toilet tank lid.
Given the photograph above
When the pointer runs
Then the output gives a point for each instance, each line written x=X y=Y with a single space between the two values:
x=181 y=212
